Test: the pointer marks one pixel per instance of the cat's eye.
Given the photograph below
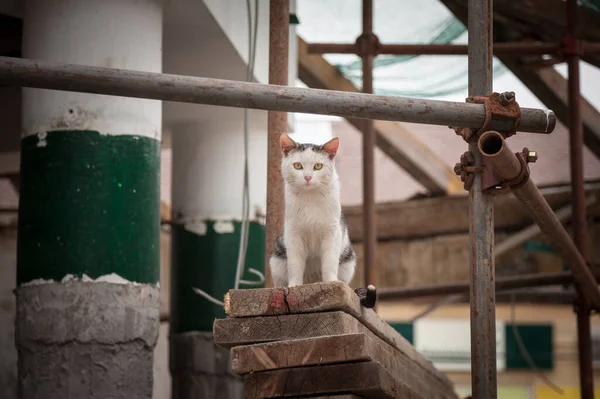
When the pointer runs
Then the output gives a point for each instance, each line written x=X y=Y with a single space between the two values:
x=297 y=165
x=318 y=166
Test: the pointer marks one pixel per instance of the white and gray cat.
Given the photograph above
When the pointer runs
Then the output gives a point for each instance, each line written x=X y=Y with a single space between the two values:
x=314 y=245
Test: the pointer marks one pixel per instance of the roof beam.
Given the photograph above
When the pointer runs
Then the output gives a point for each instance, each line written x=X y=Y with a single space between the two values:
x=427 y=217
x=551 y=88
x=545 y=83
x=394 y=139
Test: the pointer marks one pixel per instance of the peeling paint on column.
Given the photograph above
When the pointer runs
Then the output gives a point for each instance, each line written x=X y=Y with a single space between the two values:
x=111 y=278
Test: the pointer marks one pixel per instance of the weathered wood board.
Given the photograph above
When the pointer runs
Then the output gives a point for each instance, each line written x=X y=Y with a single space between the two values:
x=336 y=349
x=321 y=297
x=301 y=352
x=233 y=332
x=365 y=379
x=349 y=396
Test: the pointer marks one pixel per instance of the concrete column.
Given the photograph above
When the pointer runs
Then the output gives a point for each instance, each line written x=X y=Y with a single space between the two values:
x=207 y=210
x=88 y=241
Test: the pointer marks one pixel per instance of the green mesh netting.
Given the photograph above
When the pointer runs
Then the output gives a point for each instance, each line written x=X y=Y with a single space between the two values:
x=453 y=29
x=396 y=21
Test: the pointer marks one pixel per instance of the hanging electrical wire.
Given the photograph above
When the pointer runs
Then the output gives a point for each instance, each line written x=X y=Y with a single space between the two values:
x=523 y=349
x=245 y=227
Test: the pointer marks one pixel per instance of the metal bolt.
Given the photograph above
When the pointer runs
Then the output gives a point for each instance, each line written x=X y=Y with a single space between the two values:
x=532 y=156
x=458 y=168
x=507 y=97
x=467 y=158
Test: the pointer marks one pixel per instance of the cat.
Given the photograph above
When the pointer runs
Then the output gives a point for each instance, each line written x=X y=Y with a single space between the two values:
x=314 y=245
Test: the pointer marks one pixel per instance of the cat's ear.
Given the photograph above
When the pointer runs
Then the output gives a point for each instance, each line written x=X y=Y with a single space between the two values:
x=331 y=147
x=287 y=144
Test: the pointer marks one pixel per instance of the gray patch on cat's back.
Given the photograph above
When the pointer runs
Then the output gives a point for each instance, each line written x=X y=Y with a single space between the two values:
x=347 y=253
x=343 y=221
x=279 y=250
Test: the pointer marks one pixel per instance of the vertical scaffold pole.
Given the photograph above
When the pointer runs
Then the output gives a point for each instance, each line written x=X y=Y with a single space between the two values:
x=584 y=340
x=279 y=32
x=481 y=217
x=369 y=215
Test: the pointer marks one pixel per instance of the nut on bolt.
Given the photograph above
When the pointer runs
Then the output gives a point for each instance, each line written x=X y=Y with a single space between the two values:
x=507 y=97
x=458 y=168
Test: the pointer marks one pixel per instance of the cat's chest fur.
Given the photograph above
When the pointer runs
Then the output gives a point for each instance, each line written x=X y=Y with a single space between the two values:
x=311 y=218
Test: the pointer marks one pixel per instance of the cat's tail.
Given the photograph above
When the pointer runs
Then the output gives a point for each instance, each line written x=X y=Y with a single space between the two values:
x=368 y=296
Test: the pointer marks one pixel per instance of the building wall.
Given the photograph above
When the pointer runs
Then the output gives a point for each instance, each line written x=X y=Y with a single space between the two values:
x=565 y=373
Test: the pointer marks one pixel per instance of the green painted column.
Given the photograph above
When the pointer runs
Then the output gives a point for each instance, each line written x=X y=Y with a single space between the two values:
x=89 y=205
x=208 y=261
x=207 y=211
x=89 y=224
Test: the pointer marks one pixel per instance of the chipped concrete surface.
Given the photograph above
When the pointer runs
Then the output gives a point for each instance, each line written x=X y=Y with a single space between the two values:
x=86 y=340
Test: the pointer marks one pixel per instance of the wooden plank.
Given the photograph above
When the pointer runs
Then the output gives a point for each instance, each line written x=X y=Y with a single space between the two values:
x=367 y=379
x=394 y=139
x=232 y=332
x=320 y=297
x=428 y=217
x=307 y=298
x=302 y=352
x=347 y=348
x=349 y=396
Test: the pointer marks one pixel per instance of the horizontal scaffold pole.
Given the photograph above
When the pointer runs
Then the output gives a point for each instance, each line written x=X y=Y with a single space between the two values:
x=190 y=89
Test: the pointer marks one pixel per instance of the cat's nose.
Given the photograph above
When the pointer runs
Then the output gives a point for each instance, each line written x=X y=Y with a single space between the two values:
x=307 y=178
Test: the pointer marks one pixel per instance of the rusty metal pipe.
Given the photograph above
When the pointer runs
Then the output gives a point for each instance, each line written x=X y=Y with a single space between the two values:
x=481 y=218
x=502 y=284
x=368 y=152
x=516 y=49
x=276 y=124
x=367 y=17
x=584 y=340
x=507 y=166
x=189 y=89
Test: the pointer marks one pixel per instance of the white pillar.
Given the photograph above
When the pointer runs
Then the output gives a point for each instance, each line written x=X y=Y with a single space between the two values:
x=208 y=170
x=207 y=189
x=89 y=207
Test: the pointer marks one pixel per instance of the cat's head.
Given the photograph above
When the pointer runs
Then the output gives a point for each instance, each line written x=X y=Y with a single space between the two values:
x=308 y=166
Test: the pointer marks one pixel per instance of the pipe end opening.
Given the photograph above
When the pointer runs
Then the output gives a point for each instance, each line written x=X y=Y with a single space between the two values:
x=491 y=143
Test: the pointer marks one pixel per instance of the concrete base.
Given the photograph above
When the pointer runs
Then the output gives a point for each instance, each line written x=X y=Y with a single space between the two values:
x=86 y=340
x=201 y=369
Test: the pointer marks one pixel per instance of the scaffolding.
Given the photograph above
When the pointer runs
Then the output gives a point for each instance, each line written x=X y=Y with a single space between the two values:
x=484 y=121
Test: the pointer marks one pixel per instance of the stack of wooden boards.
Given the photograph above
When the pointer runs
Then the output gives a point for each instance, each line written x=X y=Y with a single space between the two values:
x=315 y=341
